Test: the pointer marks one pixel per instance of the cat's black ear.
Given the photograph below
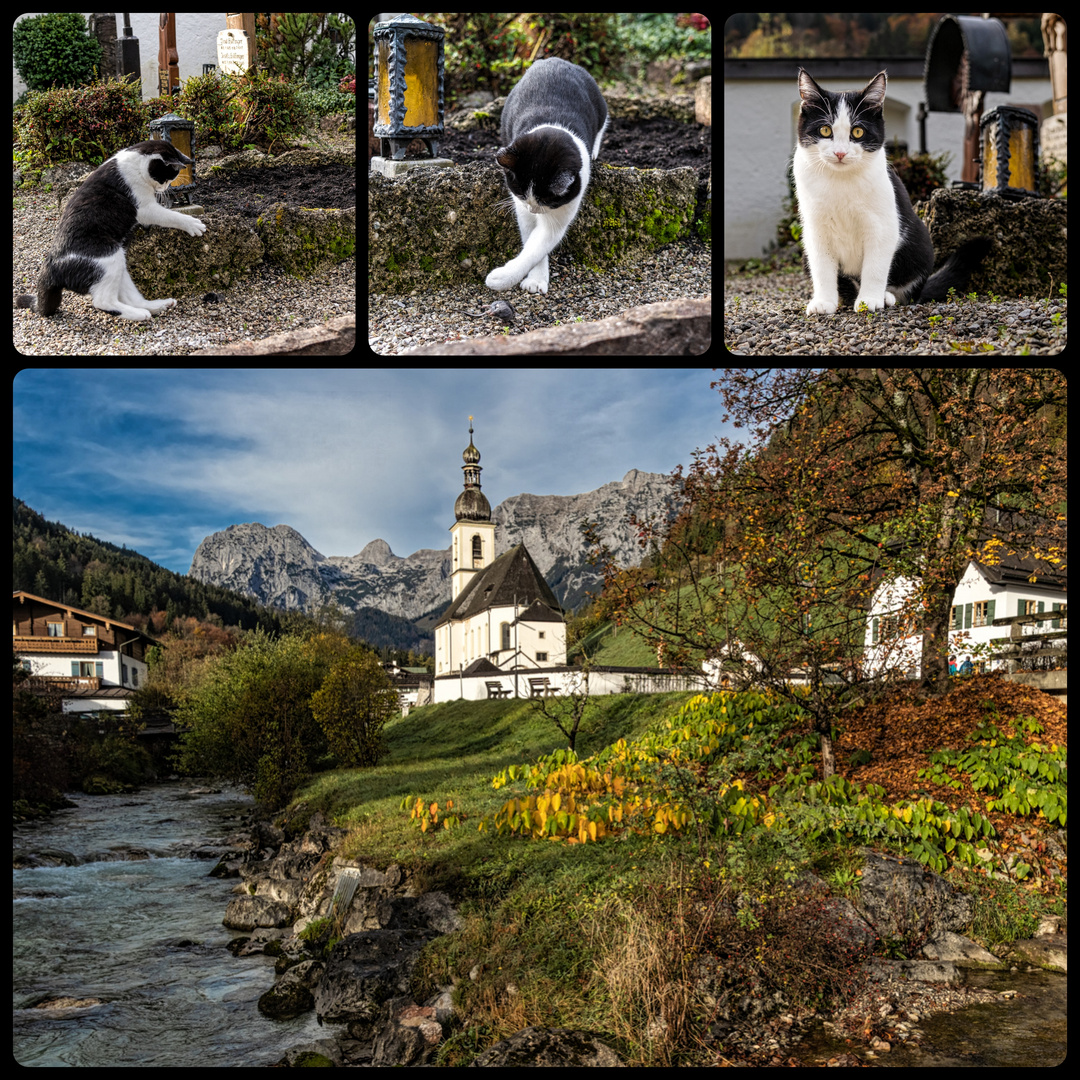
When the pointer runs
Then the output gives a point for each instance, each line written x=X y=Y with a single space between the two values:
x=506 y=158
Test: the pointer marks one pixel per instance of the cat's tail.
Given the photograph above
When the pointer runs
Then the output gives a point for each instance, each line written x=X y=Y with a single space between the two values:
x=956 y=270
x=49 y=293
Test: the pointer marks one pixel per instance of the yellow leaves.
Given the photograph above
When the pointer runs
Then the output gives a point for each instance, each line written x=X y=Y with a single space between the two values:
x=429 y=816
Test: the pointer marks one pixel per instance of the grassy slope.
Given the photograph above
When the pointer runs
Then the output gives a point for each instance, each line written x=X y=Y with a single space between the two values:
x=582 y=935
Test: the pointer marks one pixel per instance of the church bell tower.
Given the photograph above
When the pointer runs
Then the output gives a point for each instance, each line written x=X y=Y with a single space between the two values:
x=473 y=531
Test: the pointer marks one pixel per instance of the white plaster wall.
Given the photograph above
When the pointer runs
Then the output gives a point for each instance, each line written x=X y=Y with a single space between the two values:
x=196 y=44
x=761 y=129
x=972 y=588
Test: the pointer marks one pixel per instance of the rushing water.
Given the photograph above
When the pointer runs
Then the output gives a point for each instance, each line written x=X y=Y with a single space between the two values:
x=137 y=925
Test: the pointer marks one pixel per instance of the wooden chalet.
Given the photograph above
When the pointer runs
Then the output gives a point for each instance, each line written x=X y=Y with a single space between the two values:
x=92 y=662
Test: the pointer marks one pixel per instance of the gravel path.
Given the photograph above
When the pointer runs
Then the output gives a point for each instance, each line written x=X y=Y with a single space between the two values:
x=766 y=316
x=269 y=301
x=397 y=322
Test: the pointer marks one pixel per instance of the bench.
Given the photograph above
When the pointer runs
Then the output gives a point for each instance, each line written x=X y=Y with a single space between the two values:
x=542 y=688
x=497 y=690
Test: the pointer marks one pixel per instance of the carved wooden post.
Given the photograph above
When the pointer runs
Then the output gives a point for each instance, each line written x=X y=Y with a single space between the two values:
x=168 y=59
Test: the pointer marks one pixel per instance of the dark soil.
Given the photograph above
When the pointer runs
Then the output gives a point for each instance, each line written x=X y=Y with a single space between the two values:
x=248 y=192
x=644 y=144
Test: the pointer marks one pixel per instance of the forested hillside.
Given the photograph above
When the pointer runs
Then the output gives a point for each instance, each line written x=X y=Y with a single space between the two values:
x=53 y=561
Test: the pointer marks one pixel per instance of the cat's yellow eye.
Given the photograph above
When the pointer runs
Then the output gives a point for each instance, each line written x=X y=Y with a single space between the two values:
x=857 y=132
x=825 y=130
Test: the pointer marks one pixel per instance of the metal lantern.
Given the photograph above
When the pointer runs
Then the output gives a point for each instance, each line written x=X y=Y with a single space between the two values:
x=181 y=133
x=409 y=85
x=1010 y=148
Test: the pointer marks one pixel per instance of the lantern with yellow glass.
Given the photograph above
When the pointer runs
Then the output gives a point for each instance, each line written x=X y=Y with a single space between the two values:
x=408 y=85
x=1009 y=139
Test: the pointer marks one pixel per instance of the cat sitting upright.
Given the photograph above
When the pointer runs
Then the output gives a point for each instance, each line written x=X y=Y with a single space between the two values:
x=552 y=126
x=859 y=228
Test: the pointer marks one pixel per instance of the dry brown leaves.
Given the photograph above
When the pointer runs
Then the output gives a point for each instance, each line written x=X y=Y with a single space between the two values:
x=901 y=732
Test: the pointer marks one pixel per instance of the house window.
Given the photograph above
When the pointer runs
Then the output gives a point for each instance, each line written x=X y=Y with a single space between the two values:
x=541 y=634
x=89 y=631
x=983 y=613
x=55 y=629
x=541 y=657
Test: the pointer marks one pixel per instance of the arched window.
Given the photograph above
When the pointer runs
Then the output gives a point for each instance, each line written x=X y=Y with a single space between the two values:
x=477 y=550
x=505 y=628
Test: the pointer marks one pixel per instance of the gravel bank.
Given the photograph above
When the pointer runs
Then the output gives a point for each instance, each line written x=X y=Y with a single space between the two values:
x=268 y=302
x=766 y=316
x=397 y=322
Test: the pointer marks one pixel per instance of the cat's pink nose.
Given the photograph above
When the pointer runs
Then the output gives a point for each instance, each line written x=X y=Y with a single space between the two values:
x=840 y=154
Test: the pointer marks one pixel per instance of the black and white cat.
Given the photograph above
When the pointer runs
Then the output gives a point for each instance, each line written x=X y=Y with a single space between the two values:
x=89 y=250
x=858 y=225
x=552 y=126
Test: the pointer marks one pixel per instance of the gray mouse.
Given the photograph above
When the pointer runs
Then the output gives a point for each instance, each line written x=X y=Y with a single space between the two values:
x=500 y=310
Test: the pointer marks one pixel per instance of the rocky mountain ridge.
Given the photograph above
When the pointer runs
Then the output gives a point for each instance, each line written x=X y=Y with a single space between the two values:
x=278 y=567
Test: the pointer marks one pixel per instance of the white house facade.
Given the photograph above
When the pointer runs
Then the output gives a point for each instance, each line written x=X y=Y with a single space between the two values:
x=984 y=593
x=94 y=663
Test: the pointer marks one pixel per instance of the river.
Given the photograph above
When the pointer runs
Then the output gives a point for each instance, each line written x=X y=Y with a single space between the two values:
x=137 y=925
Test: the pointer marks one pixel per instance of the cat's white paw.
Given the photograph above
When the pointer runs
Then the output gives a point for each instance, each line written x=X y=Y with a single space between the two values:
x=890 y=299
x=193 y=226
x=821 y=305
x=502 y=278
x=160 y=305
x=872 y=303
x=536 y=281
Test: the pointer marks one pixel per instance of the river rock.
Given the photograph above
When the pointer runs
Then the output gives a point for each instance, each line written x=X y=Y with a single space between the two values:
x=409 y=1034
x=536 y=1047
x=365 y=970
x=293 y=994
x=902 y=899
x=946 y=945
x=1049 y=951
x=249 y=912
x=69 y=1003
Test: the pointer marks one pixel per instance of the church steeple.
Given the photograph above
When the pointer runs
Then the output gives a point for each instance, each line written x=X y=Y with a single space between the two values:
x=472 y=504
x=473 y=531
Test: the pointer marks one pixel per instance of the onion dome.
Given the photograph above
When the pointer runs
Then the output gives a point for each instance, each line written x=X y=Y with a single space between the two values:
x=472 y=504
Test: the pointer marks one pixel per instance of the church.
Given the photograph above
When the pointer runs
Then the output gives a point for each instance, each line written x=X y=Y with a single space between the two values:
x=503 y=626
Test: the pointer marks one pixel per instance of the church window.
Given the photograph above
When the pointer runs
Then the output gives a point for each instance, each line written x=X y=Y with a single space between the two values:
x=505 y=628
x=477 y=550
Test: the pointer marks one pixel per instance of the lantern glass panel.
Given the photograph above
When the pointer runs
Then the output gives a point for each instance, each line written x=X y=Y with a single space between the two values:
x=421 y=83
x=384 y=46
x=181 y=139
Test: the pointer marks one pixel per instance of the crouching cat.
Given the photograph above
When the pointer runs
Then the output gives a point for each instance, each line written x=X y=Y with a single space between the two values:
x=552 y=126
x=89 y=250
x=859 y=228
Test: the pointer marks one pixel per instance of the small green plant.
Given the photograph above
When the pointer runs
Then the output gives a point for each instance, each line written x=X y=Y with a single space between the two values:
x=1020 y=779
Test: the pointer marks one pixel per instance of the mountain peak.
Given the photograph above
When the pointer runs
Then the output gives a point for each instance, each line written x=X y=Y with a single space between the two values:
x=277 y=566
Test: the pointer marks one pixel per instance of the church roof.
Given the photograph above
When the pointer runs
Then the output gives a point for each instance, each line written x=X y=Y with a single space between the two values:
x=513 y=578
x=538 y=611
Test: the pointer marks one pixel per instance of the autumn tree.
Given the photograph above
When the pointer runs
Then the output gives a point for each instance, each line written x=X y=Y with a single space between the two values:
x=353 y=705
x=850 y=478
x=918 y=470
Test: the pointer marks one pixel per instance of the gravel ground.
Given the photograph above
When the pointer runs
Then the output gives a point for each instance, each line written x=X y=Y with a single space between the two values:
x=765 y=315
x=398 y=322
x=267 y=302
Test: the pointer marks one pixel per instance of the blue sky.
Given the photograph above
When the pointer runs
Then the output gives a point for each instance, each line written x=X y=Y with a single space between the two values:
x=157 y=459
